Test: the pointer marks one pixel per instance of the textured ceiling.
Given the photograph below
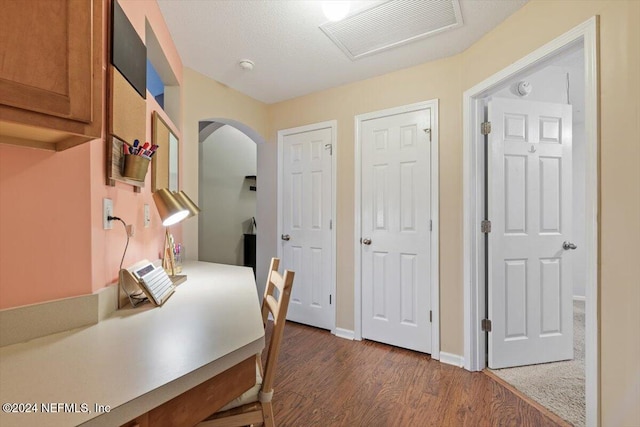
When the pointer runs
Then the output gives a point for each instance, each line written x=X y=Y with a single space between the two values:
x=292 y=56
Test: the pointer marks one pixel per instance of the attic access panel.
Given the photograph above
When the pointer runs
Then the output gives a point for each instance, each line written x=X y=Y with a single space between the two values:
x=392 y=24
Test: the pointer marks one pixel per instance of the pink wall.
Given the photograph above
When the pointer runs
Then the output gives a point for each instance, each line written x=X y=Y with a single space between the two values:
x=52 y=244
x=107 y=245
x=44 y=224
x=139 y=11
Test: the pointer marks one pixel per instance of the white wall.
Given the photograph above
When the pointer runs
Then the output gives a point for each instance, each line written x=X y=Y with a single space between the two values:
x=227 y=204
x=267 y=211
x=550 y=85
x=579 y=206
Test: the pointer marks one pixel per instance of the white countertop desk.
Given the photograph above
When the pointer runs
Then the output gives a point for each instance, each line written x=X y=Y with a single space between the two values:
x=138 y=358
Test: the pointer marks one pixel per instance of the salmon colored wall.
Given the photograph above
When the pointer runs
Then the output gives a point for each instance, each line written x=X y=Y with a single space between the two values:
x=44 y=224
x=108 y=245
x=51 y=207
x=140 y=11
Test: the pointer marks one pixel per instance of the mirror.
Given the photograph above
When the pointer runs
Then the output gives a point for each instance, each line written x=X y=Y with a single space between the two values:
x=173 y=162
x=164 y=167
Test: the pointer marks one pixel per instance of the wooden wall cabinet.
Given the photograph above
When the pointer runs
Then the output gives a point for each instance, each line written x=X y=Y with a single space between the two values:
x=52 y=59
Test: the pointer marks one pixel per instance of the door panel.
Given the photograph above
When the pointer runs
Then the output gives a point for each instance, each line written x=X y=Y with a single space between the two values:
x=530 y=200
x=396 y=206
x=306 y=215
x=550 y=307
x=516 y=299
x=515 y=184
x=550 y=187
x=408 y=290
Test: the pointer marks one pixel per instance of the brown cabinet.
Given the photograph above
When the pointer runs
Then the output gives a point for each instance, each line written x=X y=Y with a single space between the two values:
x=141 y=421
x=52 y=59
x=196 y=404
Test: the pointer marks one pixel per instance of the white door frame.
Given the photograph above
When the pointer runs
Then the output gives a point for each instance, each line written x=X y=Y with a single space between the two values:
x=474 y=293
x=435 y=185
x=333 y=125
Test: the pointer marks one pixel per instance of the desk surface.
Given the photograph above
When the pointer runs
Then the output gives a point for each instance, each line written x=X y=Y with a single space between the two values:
x=139 y=357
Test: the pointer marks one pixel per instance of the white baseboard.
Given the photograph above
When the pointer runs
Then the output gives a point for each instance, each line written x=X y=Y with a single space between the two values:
x=451 y=359
x=579 y=298
x=345 y=333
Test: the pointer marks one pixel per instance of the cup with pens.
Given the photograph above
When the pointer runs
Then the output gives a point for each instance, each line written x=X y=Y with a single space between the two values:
x=136 y=159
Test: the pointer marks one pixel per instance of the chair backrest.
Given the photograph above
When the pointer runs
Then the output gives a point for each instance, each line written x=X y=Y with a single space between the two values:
x=277 y=305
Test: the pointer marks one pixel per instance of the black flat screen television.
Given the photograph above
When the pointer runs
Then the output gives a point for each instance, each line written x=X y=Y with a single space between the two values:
x=128 y=52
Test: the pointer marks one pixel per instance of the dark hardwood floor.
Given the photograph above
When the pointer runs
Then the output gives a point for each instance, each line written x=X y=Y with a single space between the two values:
x=323 y=380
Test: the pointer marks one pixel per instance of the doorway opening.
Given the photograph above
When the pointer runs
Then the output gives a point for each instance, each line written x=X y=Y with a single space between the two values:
x=553 y=69
x=227 y=181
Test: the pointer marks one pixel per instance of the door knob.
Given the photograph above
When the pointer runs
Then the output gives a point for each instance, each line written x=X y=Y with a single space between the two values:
x=285 y=237
x=366 y=241
x=568 y=245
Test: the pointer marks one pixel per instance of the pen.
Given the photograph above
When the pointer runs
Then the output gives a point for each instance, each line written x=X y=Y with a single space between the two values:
x=142 y=149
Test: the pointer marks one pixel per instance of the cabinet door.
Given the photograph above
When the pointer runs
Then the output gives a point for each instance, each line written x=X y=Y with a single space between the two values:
x=46 y=57
x=141 y=421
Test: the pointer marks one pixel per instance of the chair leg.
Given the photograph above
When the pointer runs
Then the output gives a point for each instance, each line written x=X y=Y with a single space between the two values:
x=235 y=420
x=267 y=414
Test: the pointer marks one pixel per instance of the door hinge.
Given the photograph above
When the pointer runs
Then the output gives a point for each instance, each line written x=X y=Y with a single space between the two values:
x=430 y=225
x=486 y=325
x=485 y=226
x=330 y=224
x=428 y=131
x=329 y=299
x=330 y=148
x=485 y=128
x=430 y=316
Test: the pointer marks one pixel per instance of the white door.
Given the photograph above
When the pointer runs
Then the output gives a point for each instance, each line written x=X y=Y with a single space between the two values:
x=306 y=223
x=530 y=201
x=395 y=229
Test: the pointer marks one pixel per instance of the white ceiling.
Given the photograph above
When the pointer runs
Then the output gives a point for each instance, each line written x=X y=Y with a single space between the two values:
x=292 y=56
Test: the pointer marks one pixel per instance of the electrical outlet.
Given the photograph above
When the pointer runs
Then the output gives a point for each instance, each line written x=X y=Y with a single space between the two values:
x=107 y=211
x=147 y=216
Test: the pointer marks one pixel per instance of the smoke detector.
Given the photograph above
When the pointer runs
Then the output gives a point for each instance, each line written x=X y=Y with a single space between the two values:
x=523 y=88
x=246 y=64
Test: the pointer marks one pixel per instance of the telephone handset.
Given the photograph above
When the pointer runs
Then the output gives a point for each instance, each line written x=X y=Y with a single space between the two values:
x=151 y=279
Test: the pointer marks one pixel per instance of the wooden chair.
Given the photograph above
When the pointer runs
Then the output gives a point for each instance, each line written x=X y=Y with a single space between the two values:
x=254 y=406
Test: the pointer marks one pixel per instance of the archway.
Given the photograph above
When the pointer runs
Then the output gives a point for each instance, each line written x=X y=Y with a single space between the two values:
x=227 y=182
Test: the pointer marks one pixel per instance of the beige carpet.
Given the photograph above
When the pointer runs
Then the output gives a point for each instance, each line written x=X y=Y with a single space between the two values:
x=558 y=386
